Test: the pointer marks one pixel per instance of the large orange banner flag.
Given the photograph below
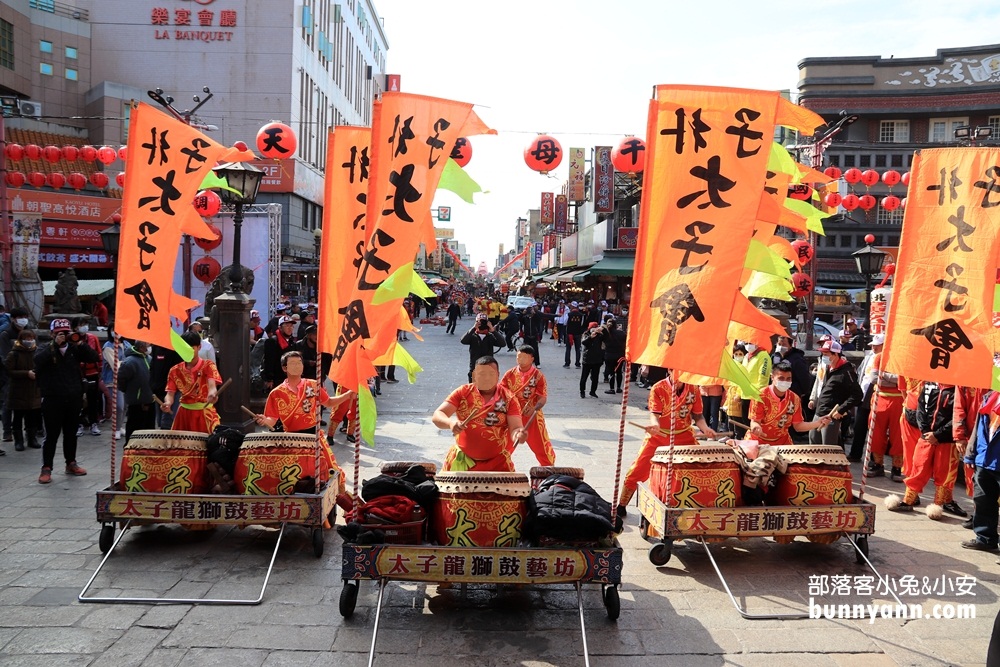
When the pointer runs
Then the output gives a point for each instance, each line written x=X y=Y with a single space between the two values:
x=940 y=317
x=345 y=196
x=412 y=137
x=168 y=160
x=706 y=167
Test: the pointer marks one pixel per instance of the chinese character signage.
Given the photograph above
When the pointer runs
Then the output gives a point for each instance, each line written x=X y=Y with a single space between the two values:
x=561 y=214
x=942 y=309
x=537 y=257
x=184 y=508
x=575 y=185
x=879 y=319
x=603 y=180
x=26 y=232
x=546 y=212
x=201 y=20
x=628 y=237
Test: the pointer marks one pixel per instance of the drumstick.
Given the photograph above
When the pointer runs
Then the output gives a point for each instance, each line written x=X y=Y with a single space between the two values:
x=248 y=411
x=638 y=425
x=156 y=399
x=221 y=389
x=475 y=415
x=740 y=424
x=834 y=411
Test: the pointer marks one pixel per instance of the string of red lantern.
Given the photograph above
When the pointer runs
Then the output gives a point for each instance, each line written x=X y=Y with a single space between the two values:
x=105 y=154
x=75 y=180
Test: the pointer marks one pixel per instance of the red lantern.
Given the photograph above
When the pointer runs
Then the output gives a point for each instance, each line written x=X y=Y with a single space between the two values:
x=99 y=180
x=833 y=172
x=206 y=269
x=210 y=244
x=207 y=203
x=852 y=175
x=801 y=285
x=867 y=202
x=116 y=218
x=869 y=177
x=14 y=152
x=120 y=179
x=77 y=181
x=543 y=154
x=107 y=154
x=891 y=177
x=905 y=178
x=800 y=191
x=36 y=179
x=33 y=151
x=71 y=153
x=869 y=239
x=902 y=203
x=88 y=153
x=890 y=203
x=833 y=199
x=850 y=202
x=52 y=153
x=462 y=152
x=629 y=156
x=889 y=269
x=803 y=250
x=276 y=140
x=15 y=179
x=123 y=153
x=241 y=146
x=55 y=180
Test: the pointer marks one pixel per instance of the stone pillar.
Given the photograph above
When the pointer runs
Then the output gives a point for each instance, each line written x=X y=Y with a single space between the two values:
x=233 y=311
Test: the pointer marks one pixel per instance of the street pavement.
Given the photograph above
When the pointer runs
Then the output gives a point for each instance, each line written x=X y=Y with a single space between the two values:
x=678 y=614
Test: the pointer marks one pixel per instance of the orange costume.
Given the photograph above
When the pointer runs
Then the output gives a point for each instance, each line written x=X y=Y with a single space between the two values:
x=677 y=407
x=529 y=388
x=967 y=402
x=297 y=409
x=195 y=412
x=776 y=415
x=909 y=433
x=887 y=437
x=485 y=443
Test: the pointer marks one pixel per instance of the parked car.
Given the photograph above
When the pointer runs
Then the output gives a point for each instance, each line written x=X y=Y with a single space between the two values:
x=820 y=329
x=520 y=302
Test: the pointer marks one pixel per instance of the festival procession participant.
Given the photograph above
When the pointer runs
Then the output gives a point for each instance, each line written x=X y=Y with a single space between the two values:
x=197 y=381
x=986 y=454
x=486 y=420
x=968 y=401
x=530 y=387
x=283 y=340
x=296 y=402
x=481 y=339
x=885 y=438
x=778 y=409
x=673 y=408
x=593 y=358
x=909 y=432
x=758 y=365
x=840 y=390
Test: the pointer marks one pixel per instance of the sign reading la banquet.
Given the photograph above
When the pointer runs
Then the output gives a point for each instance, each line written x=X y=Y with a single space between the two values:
x=193 y=24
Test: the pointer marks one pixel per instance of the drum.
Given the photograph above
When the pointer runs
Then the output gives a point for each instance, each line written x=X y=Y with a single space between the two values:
x=704 y=476
x=165 y=462
x=399 y=468
x=480 y=509
x=270 y=464
x=816 y=475
x=538 y=474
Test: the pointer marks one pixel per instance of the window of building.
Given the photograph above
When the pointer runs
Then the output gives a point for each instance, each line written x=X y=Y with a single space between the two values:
x=45 y=68
x=942 y=130
x=897 y=160
x=45 y=46
x=71 y=52
x=833 y=160
x=865 y=161
x=994 y=122
x=44 y=5
x=894 y=131
x=7 y=44
x=880 y=160
x=849 y=160
x=884 y=217
x=72 y=74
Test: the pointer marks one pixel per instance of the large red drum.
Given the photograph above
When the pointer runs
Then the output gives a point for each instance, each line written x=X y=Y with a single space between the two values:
x=271 y=464
x=816 y=475
x=399 y=468
x=480 y=509
x=704 y=476
x=165 y=462
x=539 y=474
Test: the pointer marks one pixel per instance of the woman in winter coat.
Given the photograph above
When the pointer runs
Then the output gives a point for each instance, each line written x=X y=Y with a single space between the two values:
x=25 y=401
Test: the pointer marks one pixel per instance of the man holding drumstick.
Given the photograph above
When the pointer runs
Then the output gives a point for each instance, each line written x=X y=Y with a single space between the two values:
x=197 y=381
x=778 y=409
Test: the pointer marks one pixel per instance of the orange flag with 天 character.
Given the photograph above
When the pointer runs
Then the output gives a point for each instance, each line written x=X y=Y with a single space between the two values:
x=168 y=160
x=941 y=312
x=706 y=167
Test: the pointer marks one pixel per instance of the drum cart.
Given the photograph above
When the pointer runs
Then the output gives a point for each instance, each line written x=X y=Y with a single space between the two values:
x=119 y=507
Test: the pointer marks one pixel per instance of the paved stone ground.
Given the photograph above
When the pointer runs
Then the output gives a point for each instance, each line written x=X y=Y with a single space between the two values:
x=678 y=614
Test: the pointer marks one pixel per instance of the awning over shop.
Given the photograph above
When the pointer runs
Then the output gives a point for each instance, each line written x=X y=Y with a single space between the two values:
x=567 y=276
x=582 y=275
x=99 y=288
x=614 y=265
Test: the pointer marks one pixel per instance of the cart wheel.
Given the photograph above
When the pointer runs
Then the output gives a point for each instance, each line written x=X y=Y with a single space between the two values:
x=348 y=598
x=612 y=603
x=862 y=542
x=659 y=554
x=317 y=538
x=107 y=537
x=644 y=527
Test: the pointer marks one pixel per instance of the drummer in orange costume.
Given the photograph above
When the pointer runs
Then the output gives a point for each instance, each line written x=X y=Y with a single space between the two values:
x=673 y=408
x=778 y=409
x=197 y=381
x=529 y=385
x=486 y=421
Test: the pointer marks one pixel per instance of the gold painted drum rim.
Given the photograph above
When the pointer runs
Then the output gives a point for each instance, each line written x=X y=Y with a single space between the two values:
x=814 y=455
x=279 y=440
x=162 y=440
x=696 y=454
x=544 y=472
x=514 y=484
x=393 y=467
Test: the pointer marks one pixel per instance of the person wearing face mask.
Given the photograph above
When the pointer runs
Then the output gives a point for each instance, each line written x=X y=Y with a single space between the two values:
x=840 y=390
x=731 y=406
x=91 y=379
x=114 y=347
x=134 y=383
x=8 y=334
x=25 y=401
x=485 y=419
x=779 y=409
x=758 y=366
x=197 y=382
x=529 y=385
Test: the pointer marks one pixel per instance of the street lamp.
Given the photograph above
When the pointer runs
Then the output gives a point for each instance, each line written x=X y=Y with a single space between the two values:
x=869 y=261
x=233 y=308
x=111 y=235
x=317 y=245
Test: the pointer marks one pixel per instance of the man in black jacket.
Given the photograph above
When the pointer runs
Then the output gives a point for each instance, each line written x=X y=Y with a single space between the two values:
x=593 y=358
x=574 y=330
x=282 y=341
x=58 y=368
x=532 y=331
x=511 y=327
x=133 y=382
x=454 y=312
x=802 y=379
x=840 y=390
x=481 y=339
x=614 y=350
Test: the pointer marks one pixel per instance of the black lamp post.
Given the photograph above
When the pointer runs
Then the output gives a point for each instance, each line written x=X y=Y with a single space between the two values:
x=869 y=261
x=232 y=309
x=110 y=238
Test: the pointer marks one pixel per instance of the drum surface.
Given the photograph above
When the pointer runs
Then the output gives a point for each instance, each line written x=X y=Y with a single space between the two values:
x=271 y=464
x=703 y=476
x=480 y=509
x=161 y=461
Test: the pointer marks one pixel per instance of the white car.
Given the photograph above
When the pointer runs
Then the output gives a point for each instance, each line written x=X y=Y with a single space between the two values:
x=820 y=329
x=520 y=302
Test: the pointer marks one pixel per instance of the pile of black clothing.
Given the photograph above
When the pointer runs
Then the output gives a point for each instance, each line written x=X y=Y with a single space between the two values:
x=414 y=492
x=567 y=509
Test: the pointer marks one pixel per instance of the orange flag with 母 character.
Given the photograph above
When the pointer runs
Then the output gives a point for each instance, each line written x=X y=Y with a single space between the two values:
x=412 y=137
x=343 y=241
x=168 y=160
x=940 y=317
x=706 y=169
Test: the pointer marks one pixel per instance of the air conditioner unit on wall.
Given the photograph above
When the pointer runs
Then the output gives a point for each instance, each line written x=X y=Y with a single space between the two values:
x=29 y=108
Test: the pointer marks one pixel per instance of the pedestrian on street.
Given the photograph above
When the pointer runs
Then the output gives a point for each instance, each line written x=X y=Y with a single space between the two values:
x=160 y=363
x=614 y=353
x=840 y=390
x=93 y=386
x=482 y=339
x=18 y=322
x=512 y=327
x=593 y=358
x=986 y=492
x=454 y=312
x=134 y=381
x=532 y=331
x=114 y=347
x=25 y=401
x=560 y=319
x=282 y=341
x=574 y=332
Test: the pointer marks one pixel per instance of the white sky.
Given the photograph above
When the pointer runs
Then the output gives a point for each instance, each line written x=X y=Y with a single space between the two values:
x=584 y=70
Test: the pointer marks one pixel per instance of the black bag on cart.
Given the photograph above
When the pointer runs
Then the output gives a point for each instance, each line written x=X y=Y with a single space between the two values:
x=567 y=508
x=414 y=485
x=223 y=447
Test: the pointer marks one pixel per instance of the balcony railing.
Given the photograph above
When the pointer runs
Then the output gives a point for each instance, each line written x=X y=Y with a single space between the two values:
x=60 y=9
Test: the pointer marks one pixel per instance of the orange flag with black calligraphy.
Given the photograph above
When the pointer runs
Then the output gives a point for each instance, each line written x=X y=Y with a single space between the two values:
x=412 y=137
x=940 y=317
x=345 y=196
x=168 y=160
x=706 y=168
